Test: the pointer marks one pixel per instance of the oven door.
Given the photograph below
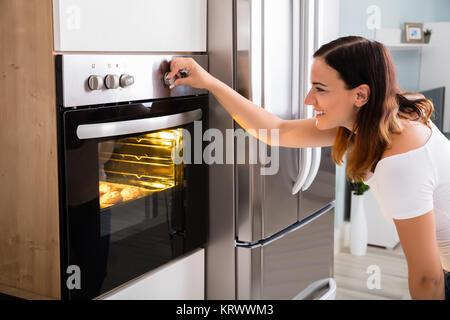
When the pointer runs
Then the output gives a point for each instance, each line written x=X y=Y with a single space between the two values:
x=130 y=204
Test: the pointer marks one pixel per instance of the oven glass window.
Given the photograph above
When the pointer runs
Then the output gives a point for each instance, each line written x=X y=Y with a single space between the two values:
x=132 y=168
x=137 y=178
x=141 y=204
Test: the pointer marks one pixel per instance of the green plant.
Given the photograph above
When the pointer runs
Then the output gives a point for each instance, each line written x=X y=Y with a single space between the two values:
x=427 y=32
x=359 y=188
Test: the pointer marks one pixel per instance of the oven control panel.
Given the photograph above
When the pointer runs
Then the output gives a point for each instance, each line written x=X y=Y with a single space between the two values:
x=94 y=79
x=111 y=81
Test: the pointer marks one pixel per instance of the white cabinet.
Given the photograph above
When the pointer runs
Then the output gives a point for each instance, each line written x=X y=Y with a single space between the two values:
x=181 y=279
x=380 y=229
x=131 y=26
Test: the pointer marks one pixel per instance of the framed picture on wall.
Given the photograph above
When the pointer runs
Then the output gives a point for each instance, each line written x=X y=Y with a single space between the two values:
x=414 y=33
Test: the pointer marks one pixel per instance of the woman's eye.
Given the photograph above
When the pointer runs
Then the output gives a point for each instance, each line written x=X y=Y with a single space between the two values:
x=319 y=89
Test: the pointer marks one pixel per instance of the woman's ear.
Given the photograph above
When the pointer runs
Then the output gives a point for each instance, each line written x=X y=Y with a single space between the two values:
x=362 y=95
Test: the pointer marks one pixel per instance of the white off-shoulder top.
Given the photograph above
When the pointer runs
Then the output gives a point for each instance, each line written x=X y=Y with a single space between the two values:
x=413 y=183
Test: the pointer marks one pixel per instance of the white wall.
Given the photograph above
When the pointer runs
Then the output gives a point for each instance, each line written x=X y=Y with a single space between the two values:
x=435 y=69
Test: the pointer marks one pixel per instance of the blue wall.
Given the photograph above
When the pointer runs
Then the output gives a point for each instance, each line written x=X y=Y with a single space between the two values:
x=394 y=13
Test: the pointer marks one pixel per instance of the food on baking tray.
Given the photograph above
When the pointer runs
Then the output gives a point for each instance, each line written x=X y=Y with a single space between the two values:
x=105 y=188
x=110 y=198
x=130 y=193
x=115 y=193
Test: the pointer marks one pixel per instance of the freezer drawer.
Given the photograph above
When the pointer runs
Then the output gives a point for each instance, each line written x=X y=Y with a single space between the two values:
x=286 y=267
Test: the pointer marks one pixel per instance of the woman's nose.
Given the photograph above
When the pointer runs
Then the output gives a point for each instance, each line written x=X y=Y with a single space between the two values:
x=310 y=99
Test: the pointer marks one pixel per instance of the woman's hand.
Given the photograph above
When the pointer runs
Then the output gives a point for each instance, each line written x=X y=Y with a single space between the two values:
x=197 y=77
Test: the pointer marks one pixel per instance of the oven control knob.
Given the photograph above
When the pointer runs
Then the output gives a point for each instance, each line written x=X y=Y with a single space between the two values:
x=170 y=81
x=95 y=82
x=112 y=81
x=126 y=80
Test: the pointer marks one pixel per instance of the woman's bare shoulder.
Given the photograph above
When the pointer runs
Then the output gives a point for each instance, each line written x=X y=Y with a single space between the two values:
x=415 y=135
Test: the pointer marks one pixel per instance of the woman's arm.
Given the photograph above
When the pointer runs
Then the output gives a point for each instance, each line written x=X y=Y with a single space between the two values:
x=418 y=239
x=292 y=133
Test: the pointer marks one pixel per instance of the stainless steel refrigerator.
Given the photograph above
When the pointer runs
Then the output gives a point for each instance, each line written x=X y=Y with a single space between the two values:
x=270 y=236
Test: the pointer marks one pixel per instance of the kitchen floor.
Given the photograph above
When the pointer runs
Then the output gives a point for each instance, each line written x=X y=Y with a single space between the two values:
x=381 y=274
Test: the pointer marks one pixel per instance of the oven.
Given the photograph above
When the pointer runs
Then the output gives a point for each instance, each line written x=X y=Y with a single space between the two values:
x=133 y=189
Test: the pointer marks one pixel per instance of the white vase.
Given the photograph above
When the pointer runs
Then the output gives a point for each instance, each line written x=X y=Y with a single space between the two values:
x=358 y=226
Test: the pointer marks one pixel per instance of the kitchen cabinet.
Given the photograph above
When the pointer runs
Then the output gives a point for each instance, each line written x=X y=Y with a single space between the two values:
x=117 y=25
x=29 y=224
x=181 y=279
x=381 y=230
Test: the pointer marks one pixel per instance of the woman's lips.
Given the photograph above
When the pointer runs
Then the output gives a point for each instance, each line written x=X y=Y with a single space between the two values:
x=318 y=115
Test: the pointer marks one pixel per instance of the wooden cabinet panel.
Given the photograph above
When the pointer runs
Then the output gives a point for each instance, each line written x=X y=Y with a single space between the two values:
x=29 y=222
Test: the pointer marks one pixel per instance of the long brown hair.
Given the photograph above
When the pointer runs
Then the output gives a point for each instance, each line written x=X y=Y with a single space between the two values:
x=361 y=61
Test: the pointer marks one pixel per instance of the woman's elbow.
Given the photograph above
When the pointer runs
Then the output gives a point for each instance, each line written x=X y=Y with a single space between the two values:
x=427 y=287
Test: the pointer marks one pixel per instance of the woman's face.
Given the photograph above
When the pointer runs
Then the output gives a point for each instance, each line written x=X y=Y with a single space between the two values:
x=329 y=95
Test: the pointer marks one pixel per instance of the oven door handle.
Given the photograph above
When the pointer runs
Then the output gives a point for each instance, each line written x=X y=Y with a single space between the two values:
x=119 y=128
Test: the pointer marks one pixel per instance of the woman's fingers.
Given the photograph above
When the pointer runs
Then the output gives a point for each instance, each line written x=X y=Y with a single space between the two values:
x=177 y=64
x=170 y=75
x=185 y=71
x=179 y=82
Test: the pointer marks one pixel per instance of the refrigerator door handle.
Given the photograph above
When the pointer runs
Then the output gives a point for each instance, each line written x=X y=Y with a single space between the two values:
x=302 y=59
x=304 y=171
x=316 y=157
x=311 y=291
x=293 y=227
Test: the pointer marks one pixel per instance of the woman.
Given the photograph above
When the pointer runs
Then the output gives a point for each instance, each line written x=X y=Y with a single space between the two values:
x=390 y=143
